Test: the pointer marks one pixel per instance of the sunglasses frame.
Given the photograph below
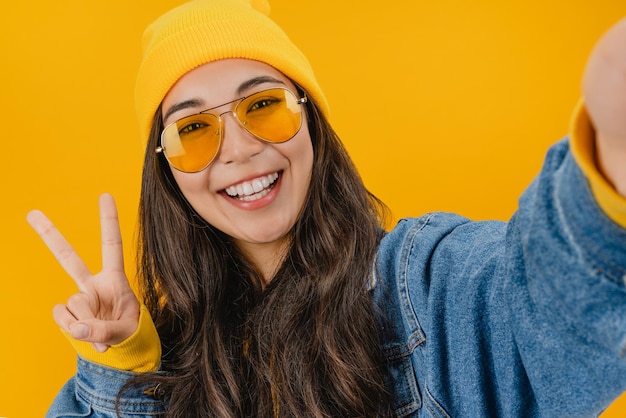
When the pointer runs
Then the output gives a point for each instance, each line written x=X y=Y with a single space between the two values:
x=160 y=149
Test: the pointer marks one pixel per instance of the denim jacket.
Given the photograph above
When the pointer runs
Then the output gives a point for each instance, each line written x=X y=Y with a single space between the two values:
x=478 y=319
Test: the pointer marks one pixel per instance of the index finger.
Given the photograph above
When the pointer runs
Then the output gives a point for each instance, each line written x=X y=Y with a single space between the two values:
x=60 y=248
x=112 y=252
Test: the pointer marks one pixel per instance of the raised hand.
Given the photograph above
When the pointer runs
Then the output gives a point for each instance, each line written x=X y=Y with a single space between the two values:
x=604 y=88
x=105 y=311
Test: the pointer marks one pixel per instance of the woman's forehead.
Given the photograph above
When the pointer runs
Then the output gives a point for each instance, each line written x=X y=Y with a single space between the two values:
x=221 y=81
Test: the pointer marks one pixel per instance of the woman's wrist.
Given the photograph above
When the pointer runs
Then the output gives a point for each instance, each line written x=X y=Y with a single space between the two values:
x=140 y=353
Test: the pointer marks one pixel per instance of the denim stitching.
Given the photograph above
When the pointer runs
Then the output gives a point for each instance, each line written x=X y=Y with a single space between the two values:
x=404 y=290
x=107 y=403
x=440 y=412
x=413 y=391
x=417 y=336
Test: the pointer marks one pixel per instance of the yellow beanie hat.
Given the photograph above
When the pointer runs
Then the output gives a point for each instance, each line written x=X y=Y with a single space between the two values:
x=203 y=31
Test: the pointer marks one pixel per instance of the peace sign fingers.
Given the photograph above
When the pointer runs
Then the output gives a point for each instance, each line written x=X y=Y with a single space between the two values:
x=60 y=248
x=106 y=310
x=112 y=253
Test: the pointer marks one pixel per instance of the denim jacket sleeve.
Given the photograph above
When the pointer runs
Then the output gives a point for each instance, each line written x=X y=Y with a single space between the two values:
x=525 y=318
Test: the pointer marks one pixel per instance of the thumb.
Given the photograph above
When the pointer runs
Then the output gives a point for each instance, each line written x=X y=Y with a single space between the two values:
x=82 y=332
x=604 y=82
x=103 y=333
x=128 y=345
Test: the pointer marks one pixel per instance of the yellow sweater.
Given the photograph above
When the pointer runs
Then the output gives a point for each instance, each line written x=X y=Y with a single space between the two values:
x=141 y=352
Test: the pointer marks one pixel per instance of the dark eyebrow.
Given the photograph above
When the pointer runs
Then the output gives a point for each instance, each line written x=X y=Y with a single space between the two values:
x=246 y=85
x=181 y=106
x=243 y=88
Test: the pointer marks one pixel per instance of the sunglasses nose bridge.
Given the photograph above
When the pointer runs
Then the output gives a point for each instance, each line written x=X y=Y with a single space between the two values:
x=237 y=143
x=239 y=122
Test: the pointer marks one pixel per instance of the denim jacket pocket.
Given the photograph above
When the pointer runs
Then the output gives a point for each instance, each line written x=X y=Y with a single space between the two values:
x=403 y=385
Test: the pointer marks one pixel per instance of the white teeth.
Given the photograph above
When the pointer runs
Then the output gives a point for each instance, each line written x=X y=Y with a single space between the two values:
x=252 y=190
x=257 y=185
x=254 y=196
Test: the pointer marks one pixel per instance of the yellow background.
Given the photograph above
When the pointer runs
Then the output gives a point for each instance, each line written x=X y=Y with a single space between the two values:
x=443 y=104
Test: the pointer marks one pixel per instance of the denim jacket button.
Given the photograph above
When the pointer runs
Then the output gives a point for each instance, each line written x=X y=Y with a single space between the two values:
x=155 y=392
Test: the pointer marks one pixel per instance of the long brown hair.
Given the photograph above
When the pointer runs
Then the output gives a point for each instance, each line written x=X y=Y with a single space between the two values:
x=307 y=344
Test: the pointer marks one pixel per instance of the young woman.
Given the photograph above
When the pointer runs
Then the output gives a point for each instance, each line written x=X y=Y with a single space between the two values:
x=269 y=287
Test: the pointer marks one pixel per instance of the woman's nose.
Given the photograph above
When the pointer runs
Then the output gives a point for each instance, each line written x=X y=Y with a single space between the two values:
x=238 y=145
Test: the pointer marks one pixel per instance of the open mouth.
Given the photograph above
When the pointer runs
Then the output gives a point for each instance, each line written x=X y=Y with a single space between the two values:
x=252 y=190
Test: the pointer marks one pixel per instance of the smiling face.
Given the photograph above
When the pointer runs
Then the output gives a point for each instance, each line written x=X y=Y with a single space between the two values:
x=253 y=190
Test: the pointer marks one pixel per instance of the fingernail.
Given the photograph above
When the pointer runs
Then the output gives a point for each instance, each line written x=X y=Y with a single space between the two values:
x=100 y=348
x=80 y=331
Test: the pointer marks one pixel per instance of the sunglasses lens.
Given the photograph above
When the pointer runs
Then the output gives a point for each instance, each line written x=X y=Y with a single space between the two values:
x=190 y=144
x=271 y=115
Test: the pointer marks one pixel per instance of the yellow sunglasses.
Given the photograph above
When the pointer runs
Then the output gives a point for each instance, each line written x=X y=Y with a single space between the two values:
x=190 y=144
